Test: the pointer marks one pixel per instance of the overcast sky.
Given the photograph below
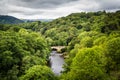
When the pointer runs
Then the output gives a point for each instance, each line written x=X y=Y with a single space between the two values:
x=50 y=9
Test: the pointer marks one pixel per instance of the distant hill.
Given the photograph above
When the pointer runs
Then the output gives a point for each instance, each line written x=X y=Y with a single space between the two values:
x=33 y=20
x=5 y=19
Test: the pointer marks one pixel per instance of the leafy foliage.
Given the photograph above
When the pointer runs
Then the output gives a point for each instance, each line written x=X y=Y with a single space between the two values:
x=92 y=43
x=19 y=51
x=88 y=64
x=38 y=72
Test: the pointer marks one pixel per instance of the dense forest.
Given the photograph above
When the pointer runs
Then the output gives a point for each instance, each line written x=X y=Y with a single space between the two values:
x=92 y=49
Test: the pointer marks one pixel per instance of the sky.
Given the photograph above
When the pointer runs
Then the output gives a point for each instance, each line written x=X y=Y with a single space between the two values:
x=51 y=9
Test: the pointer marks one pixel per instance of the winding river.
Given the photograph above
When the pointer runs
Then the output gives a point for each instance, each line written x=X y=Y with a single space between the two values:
x=56 y=62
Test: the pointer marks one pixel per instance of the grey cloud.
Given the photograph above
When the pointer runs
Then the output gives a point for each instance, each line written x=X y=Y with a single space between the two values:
x=33 y=13
x=97 y=5
x=54 y=8
x=40 y=3
x=109 y=4
x=17 y=11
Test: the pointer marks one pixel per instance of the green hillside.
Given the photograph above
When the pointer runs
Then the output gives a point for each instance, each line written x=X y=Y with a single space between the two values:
x=4 y=19
x=61 y=31
x=92 y=50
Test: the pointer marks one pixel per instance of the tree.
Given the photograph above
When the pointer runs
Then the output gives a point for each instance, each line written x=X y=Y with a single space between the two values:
x=113 y=51
x=88 y=64
x=19 y=51
x=38 y=72
x=86 y=42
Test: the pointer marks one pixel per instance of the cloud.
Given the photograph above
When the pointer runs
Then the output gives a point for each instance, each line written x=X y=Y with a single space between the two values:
x=54 y=8
x=40 y=3
x=109 y=4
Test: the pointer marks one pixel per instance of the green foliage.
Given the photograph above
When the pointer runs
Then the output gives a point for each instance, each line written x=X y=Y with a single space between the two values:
x=92 y=47
x=71 y=26
x=8 y=27
x=34 y=26
x=113 y=51
x=38 y=72
x=29 y=61
x=100 y=41
x=88 y=64
x=19 y=51
x=86 y=42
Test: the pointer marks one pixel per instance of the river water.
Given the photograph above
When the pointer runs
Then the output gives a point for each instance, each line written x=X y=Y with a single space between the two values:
x=56 y=62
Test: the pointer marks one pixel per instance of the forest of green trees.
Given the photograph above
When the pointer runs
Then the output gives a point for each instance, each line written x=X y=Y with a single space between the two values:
x=92 y=43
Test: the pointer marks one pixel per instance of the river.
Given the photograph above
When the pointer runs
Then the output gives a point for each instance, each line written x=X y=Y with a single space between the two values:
x=56 y=62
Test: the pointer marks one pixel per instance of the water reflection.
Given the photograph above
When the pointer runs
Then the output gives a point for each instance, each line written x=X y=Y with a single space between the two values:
x=56 y=62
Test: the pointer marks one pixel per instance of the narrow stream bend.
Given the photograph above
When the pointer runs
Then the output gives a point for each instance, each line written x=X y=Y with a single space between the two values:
x=56 y=62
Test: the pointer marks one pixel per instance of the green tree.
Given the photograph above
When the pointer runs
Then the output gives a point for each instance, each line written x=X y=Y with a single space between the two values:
x=113 y=52
x=38 y=72
x=88 y=64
